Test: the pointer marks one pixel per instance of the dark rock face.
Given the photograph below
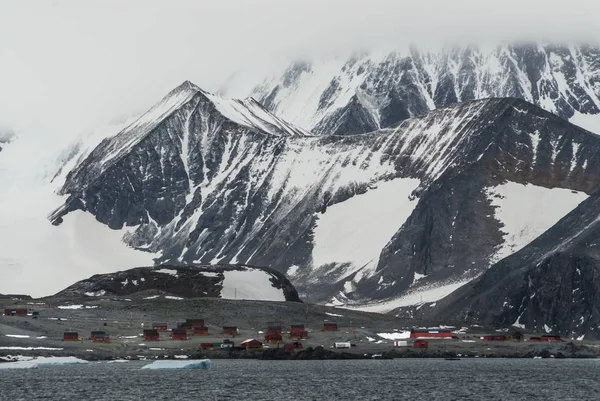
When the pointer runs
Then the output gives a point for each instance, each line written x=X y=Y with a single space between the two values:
x=183 y=281
x=551 y=285
x=562 y=79
x=204 y=185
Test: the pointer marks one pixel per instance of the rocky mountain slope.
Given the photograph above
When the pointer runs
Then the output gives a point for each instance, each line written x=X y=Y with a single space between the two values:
x=551 y=285
x=217 y=281
x=371 y=91
x=423 y=206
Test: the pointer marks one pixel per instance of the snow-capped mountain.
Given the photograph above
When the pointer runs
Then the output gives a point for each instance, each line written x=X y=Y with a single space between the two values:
x=426 y=205
x=551 y=285
x=371 y=91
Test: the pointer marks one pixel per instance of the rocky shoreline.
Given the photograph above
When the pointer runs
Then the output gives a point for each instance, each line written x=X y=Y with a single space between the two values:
x=562 y=351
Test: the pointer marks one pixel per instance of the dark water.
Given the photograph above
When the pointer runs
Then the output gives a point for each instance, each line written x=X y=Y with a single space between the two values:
x=415 y=379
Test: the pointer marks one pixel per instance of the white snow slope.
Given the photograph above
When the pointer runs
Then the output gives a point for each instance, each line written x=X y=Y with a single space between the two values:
x=250 y=284
x=526 y=211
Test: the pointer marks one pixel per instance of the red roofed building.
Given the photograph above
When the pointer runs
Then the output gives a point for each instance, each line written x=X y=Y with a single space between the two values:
x=330 y=326
x=70 y=336
x=297 y=332
x=252 y=345
x=179 y=334
x=200 y=331
x=229 y=330
x=430 y=333
x=151 y=335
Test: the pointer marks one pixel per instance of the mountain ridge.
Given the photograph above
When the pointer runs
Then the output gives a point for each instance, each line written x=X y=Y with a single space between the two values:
x=563 y=79
x=203 y=189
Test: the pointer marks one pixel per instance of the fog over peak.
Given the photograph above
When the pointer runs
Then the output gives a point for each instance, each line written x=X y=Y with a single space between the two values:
x=68 y=67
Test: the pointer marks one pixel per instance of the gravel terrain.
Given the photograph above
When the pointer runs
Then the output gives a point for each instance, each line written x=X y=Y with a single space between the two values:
x=124 y=319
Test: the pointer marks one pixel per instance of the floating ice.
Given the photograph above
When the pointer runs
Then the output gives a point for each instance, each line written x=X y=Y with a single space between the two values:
x=34 y=363
x=33 y=348
x=200 y=364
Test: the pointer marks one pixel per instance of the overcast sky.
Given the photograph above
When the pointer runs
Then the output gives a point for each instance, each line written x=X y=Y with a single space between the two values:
x=65 y=66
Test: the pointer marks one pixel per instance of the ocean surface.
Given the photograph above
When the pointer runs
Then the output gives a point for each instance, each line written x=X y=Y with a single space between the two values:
x=400 y=379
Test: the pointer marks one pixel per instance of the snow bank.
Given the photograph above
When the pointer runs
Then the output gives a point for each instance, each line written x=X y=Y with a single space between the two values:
x=34 y=363
x=171 y=272
x=70 y=306
x=199 y=364
x=401 y=335
x=527 y=211
x=357 y=229
x=250 y=284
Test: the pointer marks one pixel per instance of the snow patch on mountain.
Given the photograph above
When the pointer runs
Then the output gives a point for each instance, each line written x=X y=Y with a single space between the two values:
x=356 y=230
x=590 y=122
x=420 y=296
x=526 y=211
x=253 y=284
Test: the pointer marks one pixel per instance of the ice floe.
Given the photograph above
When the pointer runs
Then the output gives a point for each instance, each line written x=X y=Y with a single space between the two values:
x=199 y=364
x=34 y=363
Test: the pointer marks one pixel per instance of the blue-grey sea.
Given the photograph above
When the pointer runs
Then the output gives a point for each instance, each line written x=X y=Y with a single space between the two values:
x=400 y=379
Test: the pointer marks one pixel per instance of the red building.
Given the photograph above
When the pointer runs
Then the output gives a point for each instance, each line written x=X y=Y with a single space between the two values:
x=274 y=338
x=421 y=344
x=99 y=337
x=495 y=337
x=430 y=333
x=550 y=338
x=330 y=326
x=200 y=331
x=229 y=330
x=160 y=326
x=535 y=339
x=297 y=332
x=15 y=312
x=189 y=324
x=70 y=336
x=179 y=334
x=206 y=346
x=252 y=345
x=151 y=335
x=289 y=348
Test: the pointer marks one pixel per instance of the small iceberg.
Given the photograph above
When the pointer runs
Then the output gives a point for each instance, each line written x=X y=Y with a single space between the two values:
x=199 y=364
x=42 y=361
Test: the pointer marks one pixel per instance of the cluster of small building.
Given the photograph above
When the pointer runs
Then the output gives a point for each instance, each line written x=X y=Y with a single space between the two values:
x=196 y=327
x=418 y=337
